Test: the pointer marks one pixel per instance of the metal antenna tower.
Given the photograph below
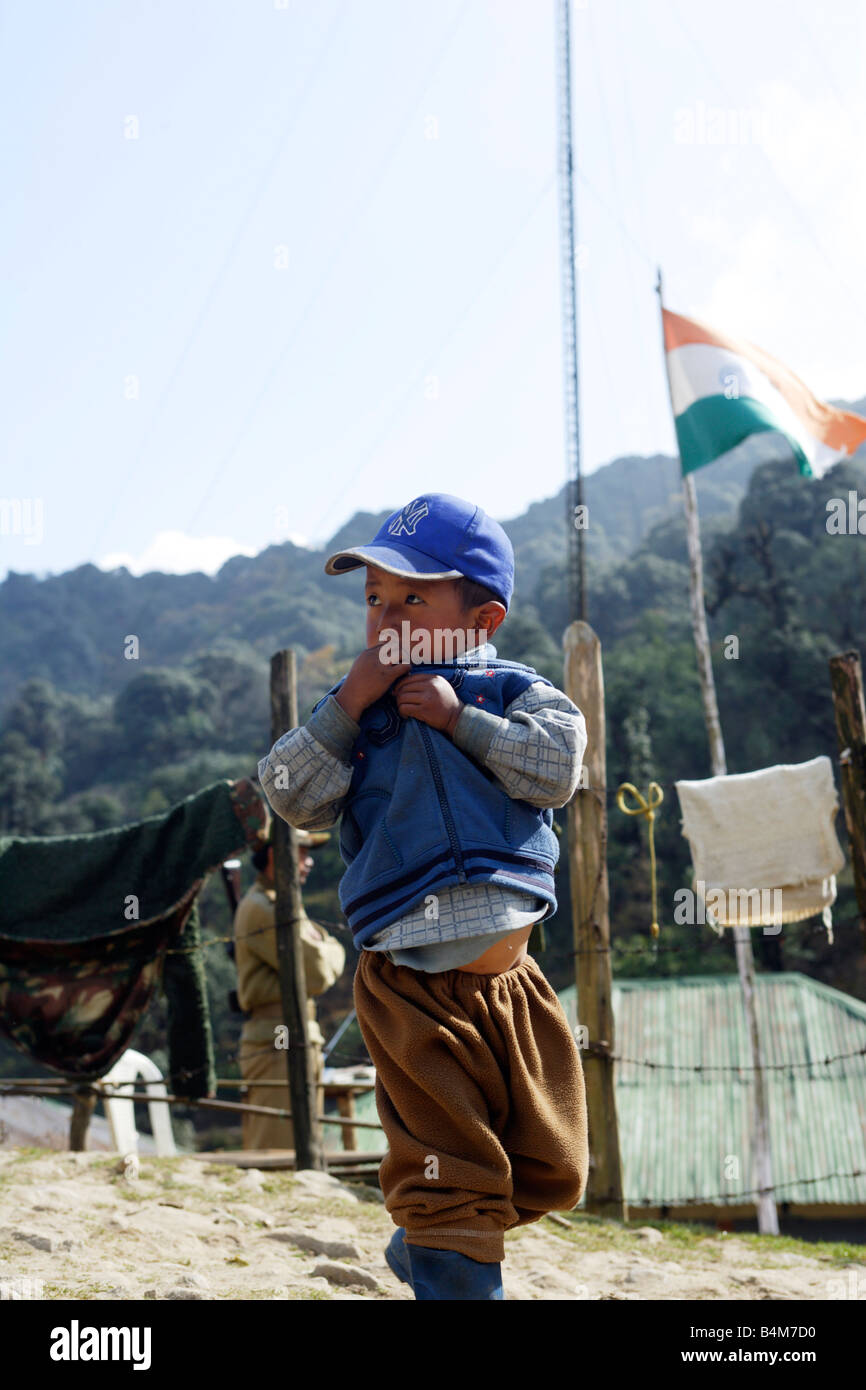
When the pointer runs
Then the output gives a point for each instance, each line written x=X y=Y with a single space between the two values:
x=576 y=559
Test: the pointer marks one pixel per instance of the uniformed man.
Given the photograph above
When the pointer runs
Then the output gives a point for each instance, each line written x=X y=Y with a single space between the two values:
x=259 y=994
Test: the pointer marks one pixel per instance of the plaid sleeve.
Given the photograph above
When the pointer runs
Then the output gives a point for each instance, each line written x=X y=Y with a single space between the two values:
x=535 y=750
x=307 y=773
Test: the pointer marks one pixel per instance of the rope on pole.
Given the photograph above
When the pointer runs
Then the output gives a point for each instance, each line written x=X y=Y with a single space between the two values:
x=645 y=807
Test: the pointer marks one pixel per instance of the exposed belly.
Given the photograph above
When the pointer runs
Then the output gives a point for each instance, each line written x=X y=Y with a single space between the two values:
x=502 y=955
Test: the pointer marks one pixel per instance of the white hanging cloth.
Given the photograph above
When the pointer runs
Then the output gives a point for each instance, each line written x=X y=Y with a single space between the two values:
x=764 y=843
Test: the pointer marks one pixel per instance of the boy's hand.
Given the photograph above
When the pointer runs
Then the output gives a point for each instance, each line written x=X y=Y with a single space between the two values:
x=367 y=680
x=429 y=698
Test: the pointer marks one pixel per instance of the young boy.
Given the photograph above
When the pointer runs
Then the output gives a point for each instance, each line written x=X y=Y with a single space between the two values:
x=445 y=765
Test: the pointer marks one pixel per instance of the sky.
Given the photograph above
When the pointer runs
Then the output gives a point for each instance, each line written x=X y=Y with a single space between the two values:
x=271 y=262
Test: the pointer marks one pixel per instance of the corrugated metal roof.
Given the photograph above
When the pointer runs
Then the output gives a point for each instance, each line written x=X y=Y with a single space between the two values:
x=686 y=1134
x=817 y=1109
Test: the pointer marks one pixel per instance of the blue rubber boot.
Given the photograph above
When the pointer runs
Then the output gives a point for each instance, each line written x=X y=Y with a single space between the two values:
x=446 y=1274
x=396 y=1256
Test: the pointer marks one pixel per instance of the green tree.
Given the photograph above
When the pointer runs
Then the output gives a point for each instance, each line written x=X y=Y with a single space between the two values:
x=36 y=714
x=162 y=715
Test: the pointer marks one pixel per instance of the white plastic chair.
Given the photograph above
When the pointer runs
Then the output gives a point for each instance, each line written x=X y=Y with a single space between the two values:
x=120 y=1112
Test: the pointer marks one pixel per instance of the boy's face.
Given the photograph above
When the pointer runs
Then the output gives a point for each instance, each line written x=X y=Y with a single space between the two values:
x=427 y=605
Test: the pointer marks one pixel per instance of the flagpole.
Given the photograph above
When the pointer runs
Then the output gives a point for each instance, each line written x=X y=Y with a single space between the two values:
x=768 y=1219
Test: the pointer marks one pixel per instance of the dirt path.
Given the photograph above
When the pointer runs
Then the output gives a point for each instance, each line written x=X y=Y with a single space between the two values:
x=187 y=1229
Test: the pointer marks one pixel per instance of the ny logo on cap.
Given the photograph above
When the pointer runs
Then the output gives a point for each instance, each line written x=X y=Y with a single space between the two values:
x=408 y=519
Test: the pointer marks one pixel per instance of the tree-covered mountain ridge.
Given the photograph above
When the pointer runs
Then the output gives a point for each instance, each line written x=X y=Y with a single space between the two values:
x=72 y=628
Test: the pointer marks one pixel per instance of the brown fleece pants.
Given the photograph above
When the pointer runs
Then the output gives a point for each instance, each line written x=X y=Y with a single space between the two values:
x=480 y=1092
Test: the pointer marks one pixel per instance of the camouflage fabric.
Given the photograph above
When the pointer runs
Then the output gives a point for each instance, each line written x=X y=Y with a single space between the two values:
x=76 y=975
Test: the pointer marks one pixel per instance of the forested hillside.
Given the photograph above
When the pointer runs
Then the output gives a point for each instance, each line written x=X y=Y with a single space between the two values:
x=90 y=739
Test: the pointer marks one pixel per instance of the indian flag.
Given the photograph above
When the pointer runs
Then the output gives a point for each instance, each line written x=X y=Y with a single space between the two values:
x=724 y=389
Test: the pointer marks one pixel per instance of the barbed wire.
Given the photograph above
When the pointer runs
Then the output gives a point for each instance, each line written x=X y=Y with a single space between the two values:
x=350 y=1060
x=114 y=1091
x=702 y=944
x=701 y=1067
x=256 y=931
x=738 y=1067
x=730 y=1198
x=353 y=1060
x=233 y=1082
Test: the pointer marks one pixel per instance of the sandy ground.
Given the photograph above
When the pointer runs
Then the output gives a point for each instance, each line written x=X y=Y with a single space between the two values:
x=81 y=1227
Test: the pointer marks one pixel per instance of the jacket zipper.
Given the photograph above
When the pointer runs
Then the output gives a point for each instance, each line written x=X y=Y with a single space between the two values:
x=446 y=809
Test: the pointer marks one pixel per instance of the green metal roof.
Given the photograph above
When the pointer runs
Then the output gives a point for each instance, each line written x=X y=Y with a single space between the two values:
x=686 y=1133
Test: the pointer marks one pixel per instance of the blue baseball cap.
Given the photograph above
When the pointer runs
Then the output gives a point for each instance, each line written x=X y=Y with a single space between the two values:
x=437 y=536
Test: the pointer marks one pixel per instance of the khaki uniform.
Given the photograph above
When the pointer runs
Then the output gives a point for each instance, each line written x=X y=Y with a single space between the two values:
x=259 y=994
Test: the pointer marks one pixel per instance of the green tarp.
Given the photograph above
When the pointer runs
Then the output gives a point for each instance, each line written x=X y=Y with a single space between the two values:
x=90 y=924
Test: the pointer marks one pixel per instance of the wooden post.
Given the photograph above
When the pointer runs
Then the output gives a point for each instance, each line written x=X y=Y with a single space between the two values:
x=768 y=1219
x=309 y=1151
x=846 y=675
x=587 y=853
x=82 y=1109
x=346 y=1107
